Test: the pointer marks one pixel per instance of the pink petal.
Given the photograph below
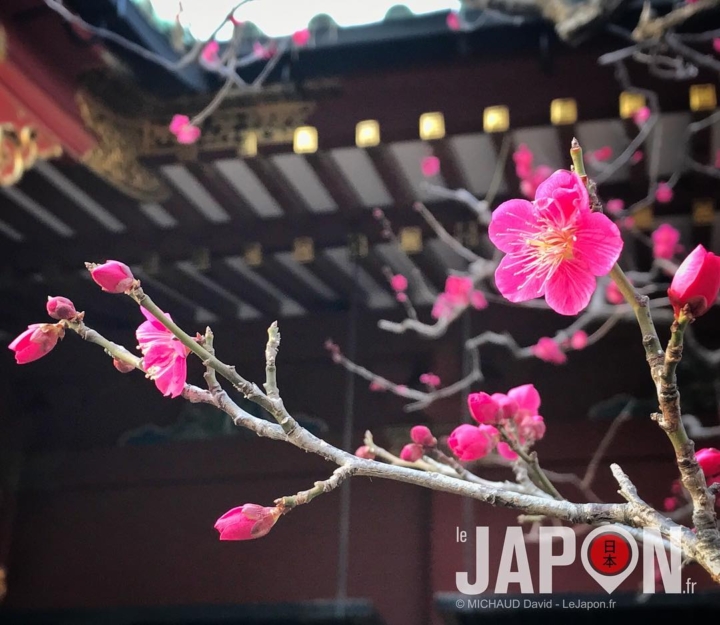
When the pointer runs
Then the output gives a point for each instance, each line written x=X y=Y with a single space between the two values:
x=430 y=166
x=514 y=284
x=526 y=397
x=178 y=123
x=570 y=288
x=564 y=186
x=599 y=242
x=511 y=223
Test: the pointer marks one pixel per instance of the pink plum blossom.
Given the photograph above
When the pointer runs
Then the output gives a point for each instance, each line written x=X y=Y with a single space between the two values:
x=603 y=154
x=665 y=241
x=122 y=366
x=399 y=282
x=453 y=21
x=441 y=308
x=38 y=340
x=113 y=276
x=470 y=442
x=421 y=435
x=615 y=205
x=301 y=37
x=412 y=452
x=579 y=340
x=696 y=282
x=458 y=288
x=478 y=300
x=532 y=427
x=716 y=44
x=642 y=115
x=483 y=408
x=527 y=399
x=613 y=294
x=164 y=356
x=506 y=451
x=555 y=246
x=209 y=53
x=637 y=157
x=530 y=184
x=247 y=522
x=664 y=193
x=548 y=350
x=508 y=405
x=185 y=132
x=377 y=385
x=401 y=297
x=430 y=166
x=669 y=504
x=523 y=158
x=264 y=52
x=430 y=379
x=59 y=307
x=364 y=452
x=709 y=461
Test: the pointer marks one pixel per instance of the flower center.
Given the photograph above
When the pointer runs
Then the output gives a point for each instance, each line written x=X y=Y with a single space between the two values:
x=554 y=245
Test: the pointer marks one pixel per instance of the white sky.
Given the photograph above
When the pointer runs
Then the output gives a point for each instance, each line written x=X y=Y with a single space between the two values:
x=277 y=18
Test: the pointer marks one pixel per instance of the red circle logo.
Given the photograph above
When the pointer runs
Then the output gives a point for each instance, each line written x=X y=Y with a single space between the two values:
x=609 y=553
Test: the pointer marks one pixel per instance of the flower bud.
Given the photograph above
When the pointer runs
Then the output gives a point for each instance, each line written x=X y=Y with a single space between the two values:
x=696 y=282
x=709 y=461
x=59 y=307
x=364 y=452
x=422 y=435
x=411 y=452
x=247 y=522
x=36 y=341
x=484 y=408
x=469 y=442
x=506 y=452
x=113 y=276
x=122 y=367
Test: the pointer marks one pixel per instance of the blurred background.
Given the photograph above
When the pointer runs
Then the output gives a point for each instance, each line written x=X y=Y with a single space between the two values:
x=109 y=492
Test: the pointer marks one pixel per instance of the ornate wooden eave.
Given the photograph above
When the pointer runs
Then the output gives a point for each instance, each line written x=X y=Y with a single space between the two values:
x=33 y=122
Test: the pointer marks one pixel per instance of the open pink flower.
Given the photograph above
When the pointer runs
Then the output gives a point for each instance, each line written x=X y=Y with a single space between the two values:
x=39 y=339
x=164 y=356
x=441 y=308
x=430 y=166
x=458 y=289
x=470 y=442
x=183 y=130
x=696 y=282
x=247 y=522
x=665 y=241
x=555 y=246
x=548 y=350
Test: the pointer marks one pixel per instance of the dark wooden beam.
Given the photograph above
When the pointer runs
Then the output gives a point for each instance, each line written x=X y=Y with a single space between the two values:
x=224 y=194
x=277 y=185
x=336 y=184
x=392 y=176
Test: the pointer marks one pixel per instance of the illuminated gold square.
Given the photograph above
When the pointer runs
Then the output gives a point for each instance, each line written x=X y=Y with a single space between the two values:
x=644 y=218
x=305 y=140
x=496 y=119
x=304 y=250
x=367 y=133
x=248 y=145
x=432 y=126
x=253 y=254
x=411 y=239
x=630 y=103
x=703 y=212
x=563 y=111
x=703 y=97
